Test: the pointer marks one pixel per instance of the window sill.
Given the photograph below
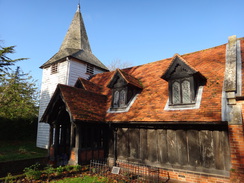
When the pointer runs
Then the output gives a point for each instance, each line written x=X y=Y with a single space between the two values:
x=124 y=109
x=182 y=105
x=186 y=106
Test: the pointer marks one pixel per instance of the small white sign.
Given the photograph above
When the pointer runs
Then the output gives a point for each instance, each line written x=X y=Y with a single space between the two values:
x=115 y=170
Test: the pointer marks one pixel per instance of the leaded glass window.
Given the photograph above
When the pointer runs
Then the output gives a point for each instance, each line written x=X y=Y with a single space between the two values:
x=116 y=99
x=186 y=92
x=119 y=99
x=122 y=98
x=182 y=91
x=176 y=93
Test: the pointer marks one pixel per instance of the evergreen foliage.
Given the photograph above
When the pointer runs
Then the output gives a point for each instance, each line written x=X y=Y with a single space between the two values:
x=5 y=61
x=18 y=96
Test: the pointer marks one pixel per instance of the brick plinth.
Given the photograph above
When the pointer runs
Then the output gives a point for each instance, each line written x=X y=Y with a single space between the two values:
x=236 y=138
x=175 y=175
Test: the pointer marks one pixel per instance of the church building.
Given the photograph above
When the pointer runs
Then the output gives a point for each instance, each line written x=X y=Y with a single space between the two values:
x=183 y=114
x=73 y=60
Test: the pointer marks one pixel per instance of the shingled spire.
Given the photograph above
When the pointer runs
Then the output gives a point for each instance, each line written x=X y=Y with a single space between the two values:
x=76 y=36
x=76 y=45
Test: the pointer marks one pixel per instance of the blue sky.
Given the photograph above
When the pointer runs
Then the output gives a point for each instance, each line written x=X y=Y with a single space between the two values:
x=135 y=31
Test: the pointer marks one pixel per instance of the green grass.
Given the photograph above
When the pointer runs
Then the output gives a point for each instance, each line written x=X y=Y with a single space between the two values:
x=85 y=179
x=19 y=150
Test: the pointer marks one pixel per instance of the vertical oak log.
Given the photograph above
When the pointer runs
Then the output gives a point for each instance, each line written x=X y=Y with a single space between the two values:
x=207 y=154
x=162 y=146
x=194 y=148
x=134 y=143
x=152 y=145
x=172 y=146
x=143 y=144
x=182 y=147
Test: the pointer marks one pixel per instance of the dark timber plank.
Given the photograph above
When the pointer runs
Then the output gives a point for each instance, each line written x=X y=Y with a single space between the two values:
x=181 y=147
x=172 y=147
x=143 y=145
x=122 y=142
x=193 y=148
x=207 y=153
x=152 y=145
x=162 y=146
x=134 y=143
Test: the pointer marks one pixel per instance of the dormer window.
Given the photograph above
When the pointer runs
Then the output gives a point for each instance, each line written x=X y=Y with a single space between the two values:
x=120 y=94
x=182 y=91
x=124 y=90
x=54 y=68
x=119 y=98
x=183 y=83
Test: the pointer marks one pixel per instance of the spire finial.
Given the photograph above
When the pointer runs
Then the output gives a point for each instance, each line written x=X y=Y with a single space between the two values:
x=78 y=8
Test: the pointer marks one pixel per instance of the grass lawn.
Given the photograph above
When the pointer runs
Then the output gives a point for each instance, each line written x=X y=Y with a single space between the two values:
x=19 y=150
x=85 y=179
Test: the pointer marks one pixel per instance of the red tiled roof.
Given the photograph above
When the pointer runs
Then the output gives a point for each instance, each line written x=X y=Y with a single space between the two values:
x=89 y=86
x=89 y=105
x=83 y=105
x=149 y=105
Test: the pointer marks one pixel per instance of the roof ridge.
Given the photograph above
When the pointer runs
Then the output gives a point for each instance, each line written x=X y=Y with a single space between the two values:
x=80 y=89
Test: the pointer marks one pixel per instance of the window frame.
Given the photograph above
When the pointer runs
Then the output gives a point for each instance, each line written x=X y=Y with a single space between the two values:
x=192 y=91
x=119 y=105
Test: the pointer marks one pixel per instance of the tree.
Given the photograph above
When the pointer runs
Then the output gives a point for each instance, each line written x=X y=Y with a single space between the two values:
x=5 y=61
x=18 y=99
x=118 y=64
x=18 y=96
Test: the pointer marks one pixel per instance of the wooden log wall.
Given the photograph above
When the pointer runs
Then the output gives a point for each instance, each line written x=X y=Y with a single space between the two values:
x=189 y=149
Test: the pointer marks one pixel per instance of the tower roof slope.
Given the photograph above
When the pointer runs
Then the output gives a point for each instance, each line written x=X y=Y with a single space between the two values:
x=76 y=36
x=76 y=44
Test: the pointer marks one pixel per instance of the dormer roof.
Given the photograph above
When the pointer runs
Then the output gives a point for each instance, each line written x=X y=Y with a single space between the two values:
x=179 y=68
x=129 y=79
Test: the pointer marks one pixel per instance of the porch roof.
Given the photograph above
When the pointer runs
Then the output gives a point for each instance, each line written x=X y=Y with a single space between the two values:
x=81 y=105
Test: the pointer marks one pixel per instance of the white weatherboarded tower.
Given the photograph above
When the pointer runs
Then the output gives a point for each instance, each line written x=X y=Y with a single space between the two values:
x=74 y=59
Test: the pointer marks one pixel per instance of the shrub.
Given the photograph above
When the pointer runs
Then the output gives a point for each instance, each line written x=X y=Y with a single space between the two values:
x=22 y=150
x=9 y=178
x=69 y=167
x=77 y=168
x=33 y=172
x=49 y=170
x=59 y=170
